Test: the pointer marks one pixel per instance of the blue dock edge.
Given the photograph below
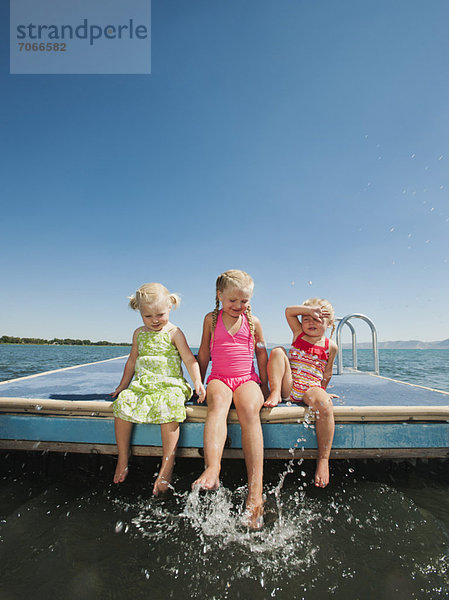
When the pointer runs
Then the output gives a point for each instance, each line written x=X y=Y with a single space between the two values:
x=409 y=437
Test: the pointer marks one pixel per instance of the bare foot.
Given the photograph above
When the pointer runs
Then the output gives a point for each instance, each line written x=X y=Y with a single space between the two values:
x=208 y=480
x=161 y=485
x=273 y=399
x=121 y=471
x=322 y=472
x=253 y=518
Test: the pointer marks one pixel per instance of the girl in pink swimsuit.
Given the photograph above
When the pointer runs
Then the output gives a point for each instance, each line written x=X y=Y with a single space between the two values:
x=304 y=374
x=230 y=337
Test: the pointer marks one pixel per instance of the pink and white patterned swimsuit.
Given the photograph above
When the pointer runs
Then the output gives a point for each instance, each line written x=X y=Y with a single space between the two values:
x=232 y=355
x=307 y=362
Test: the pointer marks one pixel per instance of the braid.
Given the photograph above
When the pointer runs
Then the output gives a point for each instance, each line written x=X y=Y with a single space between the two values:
x=215 y=313
x=249 y=316
x=333 y=329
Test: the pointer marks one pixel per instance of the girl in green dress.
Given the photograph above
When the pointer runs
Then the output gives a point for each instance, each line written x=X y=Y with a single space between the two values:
x=153 y=389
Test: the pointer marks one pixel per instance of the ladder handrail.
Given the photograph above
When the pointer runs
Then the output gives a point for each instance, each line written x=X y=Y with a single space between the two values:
x=354 y=342
x=345 y=321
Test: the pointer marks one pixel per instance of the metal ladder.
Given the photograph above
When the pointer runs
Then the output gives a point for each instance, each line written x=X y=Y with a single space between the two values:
x=346 y=321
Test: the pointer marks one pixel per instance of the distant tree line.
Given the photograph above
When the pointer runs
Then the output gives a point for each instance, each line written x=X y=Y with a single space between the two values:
x=9 y=339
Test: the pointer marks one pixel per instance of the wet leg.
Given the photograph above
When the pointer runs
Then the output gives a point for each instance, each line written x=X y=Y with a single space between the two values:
x=321 y=403
x=123 y=436
x=279 y=377
x=170 y=437
x=219 y=399
x=248 y=400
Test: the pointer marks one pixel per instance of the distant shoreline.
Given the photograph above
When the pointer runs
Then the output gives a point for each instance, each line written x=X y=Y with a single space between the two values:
x=18 y=341
x=71 y=345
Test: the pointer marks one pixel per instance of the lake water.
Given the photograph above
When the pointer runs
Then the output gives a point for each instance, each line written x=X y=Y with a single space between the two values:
x=424 y=367
x=379 y=531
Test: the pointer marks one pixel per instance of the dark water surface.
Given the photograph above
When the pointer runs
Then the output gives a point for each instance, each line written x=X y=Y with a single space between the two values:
x=380 y=530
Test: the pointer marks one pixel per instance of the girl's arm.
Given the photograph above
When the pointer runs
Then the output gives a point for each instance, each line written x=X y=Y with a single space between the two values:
x=328 y=370
x=128 y=372
x=261 y=356
x=179 y=340
x=204 y=351
x=293 y=312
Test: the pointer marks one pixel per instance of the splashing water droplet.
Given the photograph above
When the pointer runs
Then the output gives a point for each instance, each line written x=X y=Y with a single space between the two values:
x=119 y=526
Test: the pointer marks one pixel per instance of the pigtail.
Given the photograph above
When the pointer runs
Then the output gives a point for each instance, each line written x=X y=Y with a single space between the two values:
x=333 y=329
x=215 y=313
x=133 y=301
x=252 y=328
x=175 y=300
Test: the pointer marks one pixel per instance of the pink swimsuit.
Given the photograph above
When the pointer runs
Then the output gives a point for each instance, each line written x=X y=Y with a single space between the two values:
x=232 y=355
x=307 y=362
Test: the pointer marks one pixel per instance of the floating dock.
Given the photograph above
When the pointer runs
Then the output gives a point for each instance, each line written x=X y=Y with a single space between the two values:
x=69 y=410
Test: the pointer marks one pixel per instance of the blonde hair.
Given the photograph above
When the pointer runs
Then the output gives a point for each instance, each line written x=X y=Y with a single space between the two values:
x=153 y=293
x=240 y=281
x=322 y=303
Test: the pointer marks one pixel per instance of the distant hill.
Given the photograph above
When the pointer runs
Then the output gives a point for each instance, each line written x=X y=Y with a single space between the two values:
x=398 y=345
x=406 y=345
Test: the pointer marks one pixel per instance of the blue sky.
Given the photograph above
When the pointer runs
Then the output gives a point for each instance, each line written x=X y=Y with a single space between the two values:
x=305 y=142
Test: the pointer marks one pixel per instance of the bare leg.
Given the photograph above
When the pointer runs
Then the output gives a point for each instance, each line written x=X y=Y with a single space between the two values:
x=320 y=402
x=122 y=435
x=279 y=377
x=219 y=398
x=248 y=400
x=170 y=436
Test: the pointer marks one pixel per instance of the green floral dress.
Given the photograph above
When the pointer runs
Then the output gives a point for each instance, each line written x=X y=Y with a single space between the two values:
x=158 y=391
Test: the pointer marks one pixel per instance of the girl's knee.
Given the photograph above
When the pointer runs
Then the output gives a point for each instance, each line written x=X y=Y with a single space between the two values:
x=218 y=408
x=319 y=401
x=277 y=355
x=325 y=408
x=278 y=352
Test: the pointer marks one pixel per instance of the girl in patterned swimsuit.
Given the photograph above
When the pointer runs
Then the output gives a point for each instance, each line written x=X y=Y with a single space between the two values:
x=230 y=336
x=158 y=392
x=304 y=374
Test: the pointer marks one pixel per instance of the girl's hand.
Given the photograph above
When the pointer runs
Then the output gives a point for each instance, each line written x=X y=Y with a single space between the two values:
x=319 y=313
x=201 y=392
x=115 y=393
